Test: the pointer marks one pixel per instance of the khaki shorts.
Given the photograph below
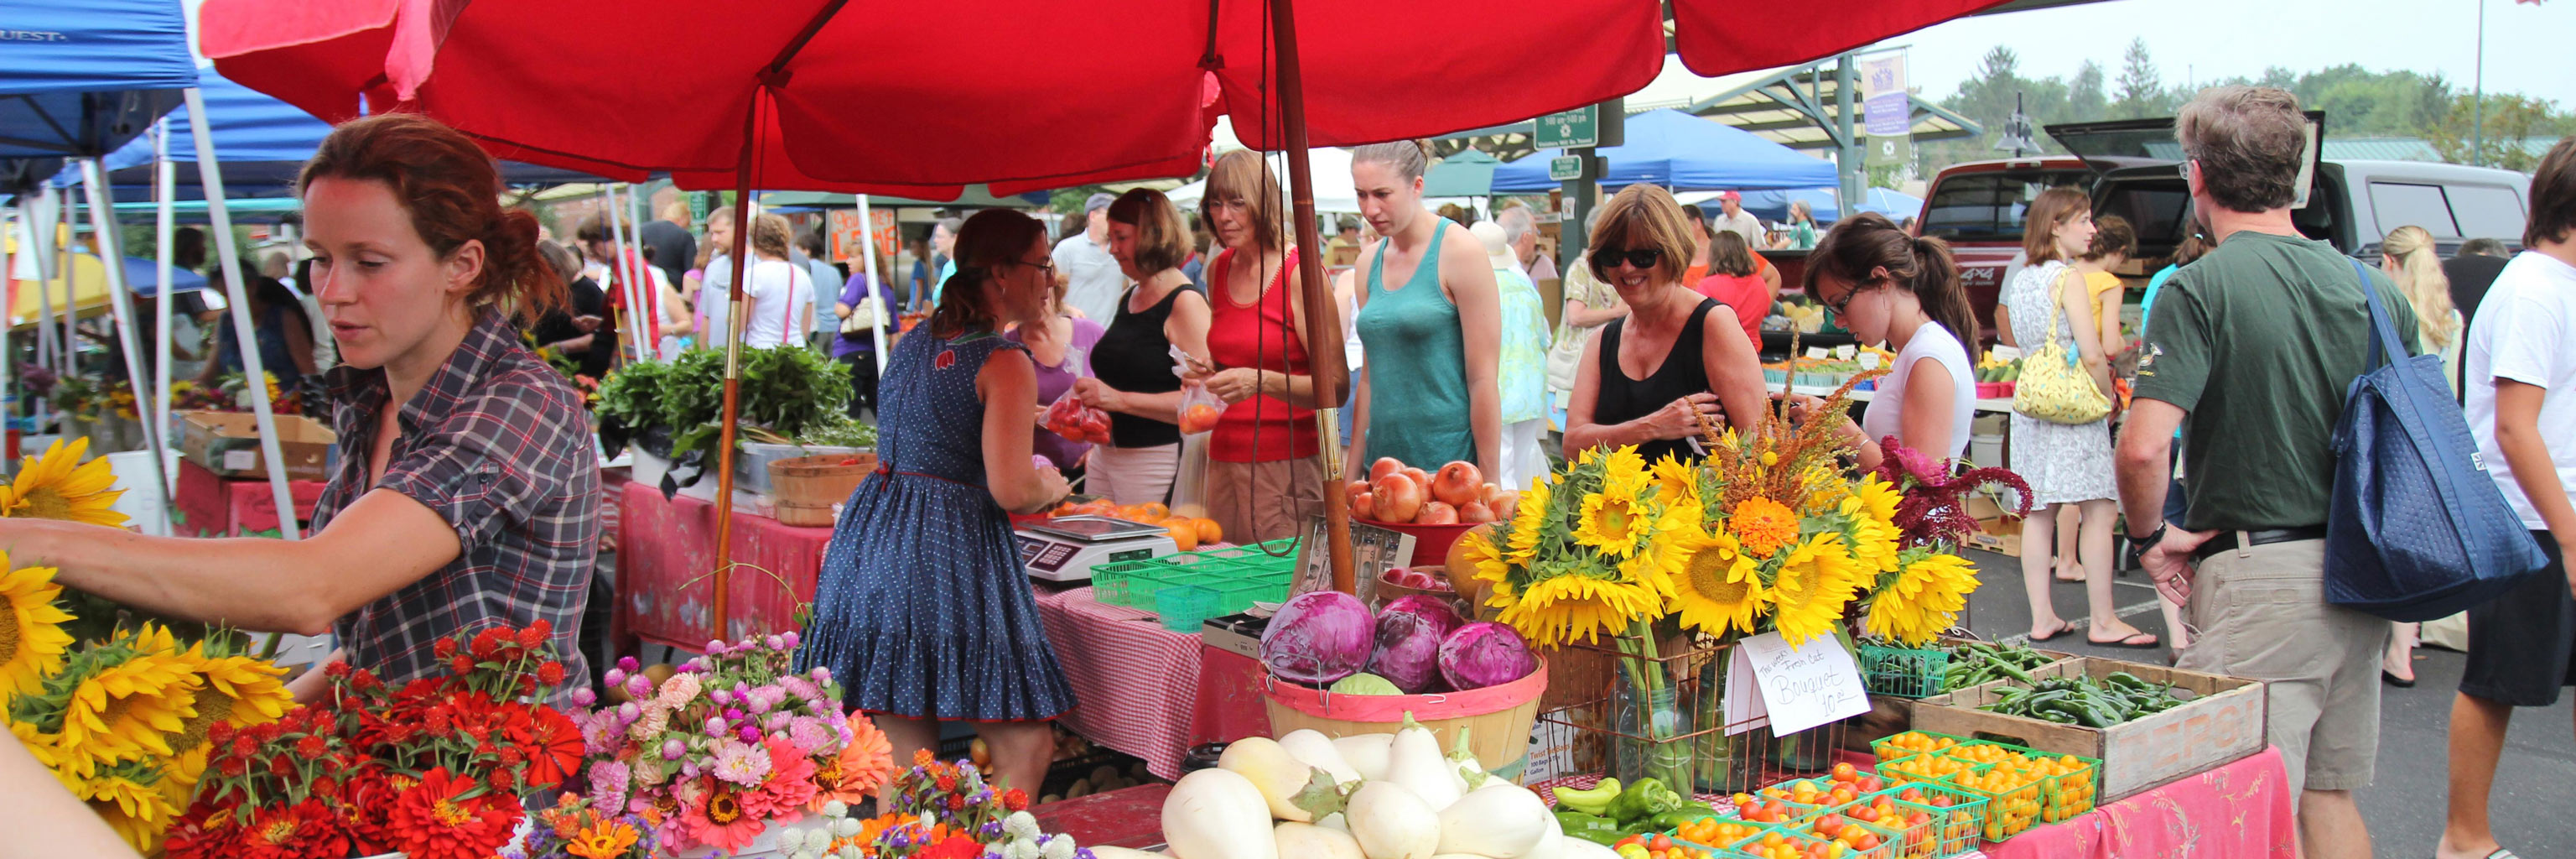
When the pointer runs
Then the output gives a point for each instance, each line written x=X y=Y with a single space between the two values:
x=2261 y=614
x=1258 y=501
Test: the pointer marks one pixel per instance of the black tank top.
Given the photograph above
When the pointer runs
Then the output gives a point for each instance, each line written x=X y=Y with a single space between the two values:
x=1682 y=374
x=1135 y=357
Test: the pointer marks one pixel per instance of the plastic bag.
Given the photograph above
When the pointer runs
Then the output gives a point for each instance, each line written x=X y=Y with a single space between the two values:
x=1199 y=409
x=1068 y=417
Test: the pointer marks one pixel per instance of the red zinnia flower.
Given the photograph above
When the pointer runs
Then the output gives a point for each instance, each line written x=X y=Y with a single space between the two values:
x=954 y=847
x=555 y=747
x=431 y=821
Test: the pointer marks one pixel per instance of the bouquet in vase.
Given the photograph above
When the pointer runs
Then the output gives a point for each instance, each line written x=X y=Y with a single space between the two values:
x=572 y=827
x=731 y=743
x=435 y=768
x=936 y=810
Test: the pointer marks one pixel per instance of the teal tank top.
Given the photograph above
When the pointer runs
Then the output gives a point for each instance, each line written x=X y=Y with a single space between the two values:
x=1418 y=406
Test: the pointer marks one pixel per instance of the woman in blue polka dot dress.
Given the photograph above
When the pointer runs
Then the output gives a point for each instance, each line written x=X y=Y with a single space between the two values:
x=923 y=612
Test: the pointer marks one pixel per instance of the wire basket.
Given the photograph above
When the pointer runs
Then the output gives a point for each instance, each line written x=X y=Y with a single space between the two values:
x=1657 y=710
x=1905 y=672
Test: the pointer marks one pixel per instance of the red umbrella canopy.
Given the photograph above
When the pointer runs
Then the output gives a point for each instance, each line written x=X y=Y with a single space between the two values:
x=903 y=98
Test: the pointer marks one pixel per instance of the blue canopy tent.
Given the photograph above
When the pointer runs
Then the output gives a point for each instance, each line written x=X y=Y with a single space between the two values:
x=78 y=81
x=1774 y=205
x=262 y=144
x=1683 y=153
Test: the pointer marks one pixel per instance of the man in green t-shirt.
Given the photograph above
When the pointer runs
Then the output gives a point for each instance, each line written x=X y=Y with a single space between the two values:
x=2250 y=351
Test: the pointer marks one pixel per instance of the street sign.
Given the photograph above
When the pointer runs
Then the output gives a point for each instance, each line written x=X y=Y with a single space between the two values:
x=1573 y=129
x=1565 y=169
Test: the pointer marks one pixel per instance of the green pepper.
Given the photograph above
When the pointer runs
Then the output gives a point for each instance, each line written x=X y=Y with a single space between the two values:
x=1589 y=827
x=1677 y=819
x=2054 y=716
x=1643 y=799
x=2009 y=670
x=1595 y=801
x=2128 y=680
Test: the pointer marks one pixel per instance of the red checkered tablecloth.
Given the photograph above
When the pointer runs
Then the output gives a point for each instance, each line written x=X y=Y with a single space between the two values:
x=1137 y=683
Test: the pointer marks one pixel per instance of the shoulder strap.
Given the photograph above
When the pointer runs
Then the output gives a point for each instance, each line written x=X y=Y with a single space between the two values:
x=2057 y=301
x=2382 y=331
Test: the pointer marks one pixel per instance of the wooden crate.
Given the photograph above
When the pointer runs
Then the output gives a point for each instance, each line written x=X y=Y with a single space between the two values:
x=1891 y=715
x=2224 y=723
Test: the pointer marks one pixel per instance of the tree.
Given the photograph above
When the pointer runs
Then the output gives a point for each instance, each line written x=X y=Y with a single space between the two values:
x=2084 y=97
x=2141 y=88
x=2509 y=119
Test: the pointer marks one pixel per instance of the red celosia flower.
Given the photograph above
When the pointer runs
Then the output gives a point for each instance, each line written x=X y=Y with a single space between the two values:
x=433 y=821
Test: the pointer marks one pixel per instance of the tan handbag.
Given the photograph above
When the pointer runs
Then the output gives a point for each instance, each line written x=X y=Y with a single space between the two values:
x=2053 y=387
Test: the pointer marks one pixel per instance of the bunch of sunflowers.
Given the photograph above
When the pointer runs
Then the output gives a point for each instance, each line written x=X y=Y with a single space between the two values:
x=1769 y=533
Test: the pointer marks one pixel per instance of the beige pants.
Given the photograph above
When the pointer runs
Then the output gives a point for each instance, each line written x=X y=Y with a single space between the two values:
x=1133 y=475
x=1258 y=501
x=2261 y=613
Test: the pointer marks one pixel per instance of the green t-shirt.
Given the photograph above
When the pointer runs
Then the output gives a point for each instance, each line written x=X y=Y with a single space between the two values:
x=2259 y=341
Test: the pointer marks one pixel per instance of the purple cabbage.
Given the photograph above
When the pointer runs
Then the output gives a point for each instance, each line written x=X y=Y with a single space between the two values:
x=1318 y=637
x=1409 y=631
x=1485 y=654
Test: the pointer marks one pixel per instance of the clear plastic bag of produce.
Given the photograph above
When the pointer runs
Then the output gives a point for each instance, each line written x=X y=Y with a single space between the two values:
x=1199 y=409
x=1068 y=417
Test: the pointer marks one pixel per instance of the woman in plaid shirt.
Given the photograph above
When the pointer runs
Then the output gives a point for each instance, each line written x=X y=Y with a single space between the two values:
x=467 y=493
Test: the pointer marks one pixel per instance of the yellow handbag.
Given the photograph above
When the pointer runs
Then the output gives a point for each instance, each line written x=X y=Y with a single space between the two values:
x=2053 y=387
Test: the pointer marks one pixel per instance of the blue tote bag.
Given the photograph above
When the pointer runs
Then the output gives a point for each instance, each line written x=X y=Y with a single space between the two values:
x=2418 y=529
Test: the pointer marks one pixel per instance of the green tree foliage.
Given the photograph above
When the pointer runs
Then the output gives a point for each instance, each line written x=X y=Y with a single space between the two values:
x=2358 y=103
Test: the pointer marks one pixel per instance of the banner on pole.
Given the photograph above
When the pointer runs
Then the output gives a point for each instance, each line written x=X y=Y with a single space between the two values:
x=1887 y=106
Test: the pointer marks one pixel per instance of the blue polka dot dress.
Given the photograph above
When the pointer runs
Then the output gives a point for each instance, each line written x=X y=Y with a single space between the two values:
x=922 y=609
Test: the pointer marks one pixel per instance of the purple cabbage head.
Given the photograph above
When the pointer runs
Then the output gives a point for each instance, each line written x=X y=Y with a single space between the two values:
x=1409 y=631
x=1485 y=654
x=1318 y=637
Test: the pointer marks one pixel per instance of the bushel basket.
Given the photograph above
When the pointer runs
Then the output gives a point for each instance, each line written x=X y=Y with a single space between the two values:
x=806 y=487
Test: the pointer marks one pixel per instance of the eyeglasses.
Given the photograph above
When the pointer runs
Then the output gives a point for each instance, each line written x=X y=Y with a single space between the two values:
x=1842 y=309
x=2184 y=169
x=1047 y=266
x=1605 y=259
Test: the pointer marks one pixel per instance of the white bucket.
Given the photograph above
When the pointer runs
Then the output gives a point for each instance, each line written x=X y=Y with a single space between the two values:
x=1986 y=451
x=143 y=502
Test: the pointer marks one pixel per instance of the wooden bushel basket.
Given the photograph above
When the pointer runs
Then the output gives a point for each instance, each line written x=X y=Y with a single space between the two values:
x=806 y=487
x=1498 y=718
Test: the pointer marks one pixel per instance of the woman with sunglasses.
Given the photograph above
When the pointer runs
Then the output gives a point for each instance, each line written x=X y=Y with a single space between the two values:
x=1678 y=356
x=1900 y=292
x=923 y=610
x=1431 y=316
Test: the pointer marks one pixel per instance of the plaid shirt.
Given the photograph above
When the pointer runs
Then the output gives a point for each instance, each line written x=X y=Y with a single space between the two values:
x=497 y=445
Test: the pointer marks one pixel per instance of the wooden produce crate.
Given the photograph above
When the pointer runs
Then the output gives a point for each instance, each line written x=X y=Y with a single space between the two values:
x=227 y=443
x=2225 y=722
x=1890 y=715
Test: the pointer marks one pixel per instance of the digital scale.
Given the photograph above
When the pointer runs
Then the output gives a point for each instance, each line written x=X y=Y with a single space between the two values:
x=1064 y=549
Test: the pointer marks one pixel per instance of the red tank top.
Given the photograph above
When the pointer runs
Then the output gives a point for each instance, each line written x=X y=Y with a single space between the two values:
x=1262 y=335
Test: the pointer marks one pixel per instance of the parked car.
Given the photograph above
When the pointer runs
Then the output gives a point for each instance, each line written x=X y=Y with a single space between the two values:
x=2129 y=168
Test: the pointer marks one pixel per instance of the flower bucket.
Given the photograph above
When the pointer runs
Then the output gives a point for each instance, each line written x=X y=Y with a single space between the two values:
x=1497 y=718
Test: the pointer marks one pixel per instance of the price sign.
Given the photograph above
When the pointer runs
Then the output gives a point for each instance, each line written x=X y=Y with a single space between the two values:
x=1791 y=688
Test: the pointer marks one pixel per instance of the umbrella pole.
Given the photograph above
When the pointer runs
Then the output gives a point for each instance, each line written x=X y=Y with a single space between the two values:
x=165 y=184
x=648 y=296
x=8 y=358
x=102 y=219
x=1323 y=314
x=617 y=267
x=46 y=354
x=219 y=221
x=876 y=287
x=742 y=215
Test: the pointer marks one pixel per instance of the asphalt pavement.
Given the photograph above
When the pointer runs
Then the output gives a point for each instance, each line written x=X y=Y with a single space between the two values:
x=2404 y=806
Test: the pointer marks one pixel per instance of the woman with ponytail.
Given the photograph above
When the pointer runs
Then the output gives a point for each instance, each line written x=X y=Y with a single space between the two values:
x=466 y=494
x=2409 y=257
x=1901 y=293
x=922 y=609
x=1431 y=316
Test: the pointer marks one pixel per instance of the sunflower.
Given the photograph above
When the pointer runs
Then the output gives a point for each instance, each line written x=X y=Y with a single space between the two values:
x=1676 y=482
x=1716 y=587
x=129 y=799
x=133 y=695
x=1623 y=472
x=1877 y=497
x=32 y=640
x=1763 y=526
x=237 y=690
x=1562 y=608
x=1874 y=545
x=46 y=749
x=1614 y=523
x=59 y=485
x=1527 y=522
x=1816 y=581
x=1925 y=599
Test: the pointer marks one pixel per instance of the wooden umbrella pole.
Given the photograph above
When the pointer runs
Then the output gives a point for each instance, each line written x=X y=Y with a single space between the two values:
x=1323 y=315
x=733 y=363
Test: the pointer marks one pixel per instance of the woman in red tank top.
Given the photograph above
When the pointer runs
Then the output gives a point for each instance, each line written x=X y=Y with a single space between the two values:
x=1265 y=471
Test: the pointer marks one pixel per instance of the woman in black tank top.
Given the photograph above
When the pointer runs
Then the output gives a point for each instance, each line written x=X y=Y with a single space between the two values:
x=1686 y=354
x=1131 y=366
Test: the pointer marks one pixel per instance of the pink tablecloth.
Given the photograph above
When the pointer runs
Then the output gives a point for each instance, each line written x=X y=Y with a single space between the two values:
x=666 y=555
x=2239 y=810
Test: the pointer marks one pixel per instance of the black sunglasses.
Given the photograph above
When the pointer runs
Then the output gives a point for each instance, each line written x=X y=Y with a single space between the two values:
x=1605 y=259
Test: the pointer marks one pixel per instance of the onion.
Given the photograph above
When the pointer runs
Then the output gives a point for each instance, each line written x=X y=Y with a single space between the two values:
x=1457 y=484
x=1399 y=497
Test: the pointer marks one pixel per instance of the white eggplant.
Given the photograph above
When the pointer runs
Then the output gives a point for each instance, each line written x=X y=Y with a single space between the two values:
x=1413 y=760
x=1366 y=753
x=1308 y=841
x=1278 y=775
x=1499 y=823
x=1217 y=814
x=1314 y=749
x=1391 y=823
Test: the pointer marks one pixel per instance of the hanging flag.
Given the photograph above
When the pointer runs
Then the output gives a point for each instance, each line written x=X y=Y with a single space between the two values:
x=1887 y=109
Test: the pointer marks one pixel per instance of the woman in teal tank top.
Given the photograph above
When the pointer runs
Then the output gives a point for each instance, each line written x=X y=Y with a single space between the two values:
x=1432 y=335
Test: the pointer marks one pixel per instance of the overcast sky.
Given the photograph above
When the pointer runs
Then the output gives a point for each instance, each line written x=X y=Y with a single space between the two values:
x=2529 y=48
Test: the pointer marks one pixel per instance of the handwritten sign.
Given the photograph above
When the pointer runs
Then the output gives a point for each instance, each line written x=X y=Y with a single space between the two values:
x=1791 y=688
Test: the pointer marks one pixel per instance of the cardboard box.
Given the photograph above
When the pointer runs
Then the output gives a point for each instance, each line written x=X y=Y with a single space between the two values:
x=2002 y=533
x=2225 y=722
x=227 y=443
